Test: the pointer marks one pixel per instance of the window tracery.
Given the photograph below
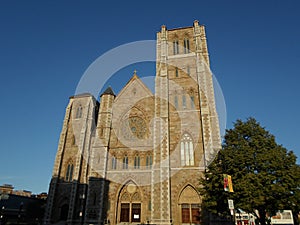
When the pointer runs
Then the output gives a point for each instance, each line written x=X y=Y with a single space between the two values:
x=134 y=128
x=187 y=150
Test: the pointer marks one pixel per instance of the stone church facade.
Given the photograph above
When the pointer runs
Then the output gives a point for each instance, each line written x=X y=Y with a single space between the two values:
x=136 y=157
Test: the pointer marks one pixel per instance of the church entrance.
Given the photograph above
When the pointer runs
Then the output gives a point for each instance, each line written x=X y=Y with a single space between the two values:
x=189 y=206
x=64 y=212
x=190 y=213
x=130 y=207
x=130 y=212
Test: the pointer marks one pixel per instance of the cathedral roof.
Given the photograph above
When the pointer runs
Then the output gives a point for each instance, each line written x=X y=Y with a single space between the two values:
x=108 y=91
x=135 y=84
x=81 y=95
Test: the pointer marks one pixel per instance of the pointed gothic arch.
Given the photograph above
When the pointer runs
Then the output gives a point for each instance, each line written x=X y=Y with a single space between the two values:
x=63 y=206
x=129 y=203
x=189 y=205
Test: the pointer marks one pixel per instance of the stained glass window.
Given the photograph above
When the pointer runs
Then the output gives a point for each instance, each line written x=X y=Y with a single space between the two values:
x=187 y=150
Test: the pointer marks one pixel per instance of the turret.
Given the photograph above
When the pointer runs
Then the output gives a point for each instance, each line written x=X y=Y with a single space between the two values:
x=105 y=113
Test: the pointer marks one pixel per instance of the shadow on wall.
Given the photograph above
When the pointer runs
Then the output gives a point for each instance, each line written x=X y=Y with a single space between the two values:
x=77 y=203
x=15 y=209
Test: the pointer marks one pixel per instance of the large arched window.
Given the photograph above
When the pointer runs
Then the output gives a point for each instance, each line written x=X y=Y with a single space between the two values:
x=187 y=150
x=69 y=173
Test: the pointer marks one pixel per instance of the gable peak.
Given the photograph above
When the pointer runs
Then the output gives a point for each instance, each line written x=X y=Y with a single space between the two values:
x=108 y=91
x=134 y=76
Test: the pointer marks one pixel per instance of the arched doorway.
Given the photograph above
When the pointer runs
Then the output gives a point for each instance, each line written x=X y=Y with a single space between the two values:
x=64 y=212
x=129 y=204
x=189 y=206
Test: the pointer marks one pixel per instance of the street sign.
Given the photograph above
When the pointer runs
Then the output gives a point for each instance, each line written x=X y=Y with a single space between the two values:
x=230 y=204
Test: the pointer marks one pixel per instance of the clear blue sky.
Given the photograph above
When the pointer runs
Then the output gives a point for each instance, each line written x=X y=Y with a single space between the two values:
x=45 y=47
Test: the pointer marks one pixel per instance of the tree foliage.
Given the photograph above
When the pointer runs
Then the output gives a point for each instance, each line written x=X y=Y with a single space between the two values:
x=265 y=175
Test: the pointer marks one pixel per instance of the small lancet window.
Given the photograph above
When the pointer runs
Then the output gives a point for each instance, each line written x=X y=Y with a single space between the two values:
x=73 y=140
x=69 y=173
x=136 y=162
x=113 y=163
x=188 y=70
x=186 y=44
x=101 y=133
x=175 y=47
x=176 y=101
x=149 y=161
x=79 y=112
x=176 y=72
x=183 y=102
x=192 y=101
x=125 y=162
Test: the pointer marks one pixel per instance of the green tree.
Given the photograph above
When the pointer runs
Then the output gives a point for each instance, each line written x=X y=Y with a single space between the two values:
x=265 y=175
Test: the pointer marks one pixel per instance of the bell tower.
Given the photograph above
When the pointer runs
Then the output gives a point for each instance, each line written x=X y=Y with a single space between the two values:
x=186 y=127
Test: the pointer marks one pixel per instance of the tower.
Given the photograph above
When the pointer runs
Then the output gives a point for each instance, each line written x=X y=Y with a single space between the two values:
x=136 y=157
x=186 y=123
x=69 y=178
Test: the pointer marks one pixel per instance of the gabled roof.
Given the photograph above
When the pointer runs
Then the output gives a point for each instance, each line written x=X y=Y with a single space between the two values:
x=138 y=83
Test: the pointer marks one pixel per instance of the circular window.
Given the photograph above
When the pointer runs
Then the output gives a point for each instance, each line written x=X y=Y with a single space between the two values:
x=134 y=127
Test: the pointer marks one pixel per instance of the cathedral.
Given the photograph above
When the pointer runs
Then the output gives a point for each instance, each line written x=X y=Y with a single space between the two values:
x=135 y=157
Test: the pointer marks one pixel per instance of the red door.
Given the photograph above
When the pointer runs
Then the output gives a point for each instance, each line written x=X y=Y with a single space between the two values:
x=124 y=212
